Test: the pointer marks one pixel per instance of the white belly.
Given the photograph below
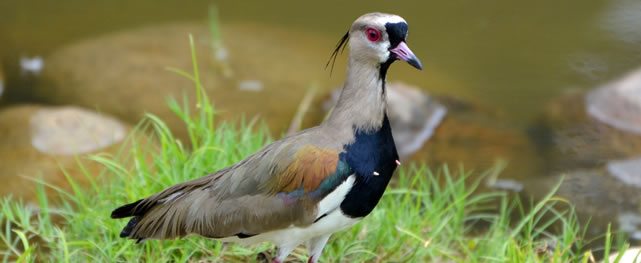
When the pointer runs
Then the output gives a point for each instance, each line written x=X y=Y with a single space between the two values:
x=334 y=221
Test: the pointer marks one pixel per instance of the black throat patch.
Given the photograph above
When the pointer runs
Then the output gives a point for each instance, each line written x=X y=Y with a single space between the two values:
x=396 y=32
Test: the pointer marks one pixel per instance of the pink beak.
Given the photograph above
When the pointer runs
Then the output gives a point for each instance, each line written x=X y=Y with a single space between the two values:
x=403 y=52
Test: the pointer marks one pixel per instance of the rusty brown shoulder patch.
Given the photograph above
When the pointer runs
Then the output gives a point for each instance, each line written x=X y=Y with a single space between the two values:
x=309 y=167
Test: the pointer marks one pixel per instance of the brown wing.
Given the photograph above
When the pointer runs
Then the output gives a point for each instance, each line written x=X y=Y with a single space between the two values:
x=267 y=191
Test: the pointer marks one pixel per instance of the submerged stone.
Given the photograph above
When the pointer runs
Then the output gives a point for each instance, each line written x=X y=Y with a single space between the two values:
x=621 y=19
x=125 y=73
x=628 y=171
x=618 y=103
x=505 y=184
x=570 y=138
x=596 y=196
x=630 y=222
x=415 y=116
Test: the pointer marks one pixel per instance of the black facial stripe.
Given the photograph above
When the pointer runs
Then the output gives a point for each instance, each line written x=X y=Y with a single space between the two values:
x=383 y=70
x=397 y=32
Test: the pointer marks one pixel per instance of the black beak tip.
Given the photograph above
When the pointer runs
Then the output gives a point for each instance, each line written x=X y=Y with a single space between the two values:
x=416 y=63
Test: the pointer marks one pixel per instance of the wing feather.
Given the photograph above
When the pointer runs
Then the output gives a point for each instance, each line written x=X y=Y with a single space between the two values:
x=309 y=167
x=275 y=188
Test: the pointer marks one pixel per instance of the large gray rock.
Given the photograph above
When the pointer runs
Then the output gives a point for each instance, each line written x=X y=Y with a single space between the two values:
x=595 y=195
x=37 y=142
x=621 y=19
x=627 y=171
x=72 y=130
x=618 y=103
x=593 y=138
x=125 y=74
x=570 y=138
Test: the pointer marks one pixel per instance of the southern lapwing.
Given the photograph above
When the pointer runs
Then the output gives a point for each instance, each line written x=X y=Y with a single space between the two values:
x=304 y=187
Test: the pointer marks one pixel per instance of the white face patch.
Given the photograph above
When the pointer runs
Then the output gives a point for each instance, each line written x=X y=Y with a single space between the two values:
x=382 y=48
x=379 y=19
x=391 y=19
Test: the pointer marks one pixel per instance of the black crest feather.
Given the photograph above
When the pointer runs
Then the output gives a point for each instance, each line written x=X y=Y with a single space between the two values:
x=340 y=47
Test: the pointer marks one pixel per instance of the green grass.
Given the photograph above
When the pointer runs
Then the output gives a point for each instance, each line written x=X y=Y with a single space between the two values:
x=428 y=215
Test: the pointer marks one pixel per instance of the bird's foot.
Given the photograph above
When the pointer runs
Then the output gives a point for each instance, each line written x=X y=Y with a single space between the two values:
x=264 y=257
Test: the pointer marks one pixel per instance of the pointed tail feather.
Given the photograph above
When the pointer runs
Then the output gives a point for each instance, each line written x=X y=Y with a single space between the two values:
x=125 y=210
x=126 y=231
x=155 y=216
x=128 y=210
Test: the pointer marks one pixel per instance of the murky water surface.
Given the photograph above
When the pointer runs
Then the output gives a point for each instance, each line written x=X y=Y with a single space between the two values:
x=514 y=55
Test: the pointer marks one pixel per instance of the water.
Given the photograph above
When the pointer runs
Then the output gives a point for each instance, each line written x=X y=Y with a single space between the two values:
x=512 y=55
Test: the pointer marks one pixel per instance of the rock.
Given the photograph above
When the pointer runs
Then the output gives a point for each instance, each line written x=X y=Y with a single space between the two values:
x=569 y=138
x=628 y=171
x=618 y=103
x=621 y=20
x=29 y=152
x=125 y=74
x=631 y=255
x=72 y=130
x=630 y=223
x=474 y=136
x=505 y=184
x=595 y=195
x=413 y=115
x=591 y=139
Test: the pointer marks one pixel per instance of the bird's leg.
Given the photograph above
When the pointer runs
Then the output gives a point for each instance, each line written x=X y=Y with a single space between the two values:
x=263 y=257
x=283 y=251
x=315 y=247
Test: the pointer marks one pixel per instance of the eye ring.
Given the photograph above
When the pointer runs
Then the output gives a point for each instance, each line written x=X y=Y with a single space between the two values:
x=373 y=34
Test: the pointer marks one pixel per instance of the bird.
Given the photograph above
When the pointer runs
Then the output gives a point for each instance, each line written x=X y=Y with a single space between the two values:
x=304 y=187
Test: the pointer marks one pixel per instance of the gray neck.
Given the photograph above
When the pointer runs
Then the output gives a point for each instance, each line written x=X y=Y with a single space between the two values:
x=362 y=103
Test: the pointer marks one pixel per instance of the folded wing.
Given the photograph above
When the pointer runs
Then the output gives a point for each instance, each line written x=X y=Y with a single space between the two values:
x=273 y=189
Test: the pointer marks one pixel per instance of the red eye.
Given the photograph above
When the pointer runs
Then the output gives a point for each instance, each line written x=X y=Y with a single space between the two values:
x=373 y=34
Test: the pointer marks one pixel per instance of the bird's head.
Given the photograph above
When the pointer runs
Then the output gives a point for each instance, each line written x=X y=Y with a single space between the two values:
x=378 y=38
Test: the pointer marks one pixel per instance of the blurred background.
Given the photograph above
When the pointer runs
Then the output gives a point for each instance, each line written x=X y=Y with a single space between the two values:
x=548 y=89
